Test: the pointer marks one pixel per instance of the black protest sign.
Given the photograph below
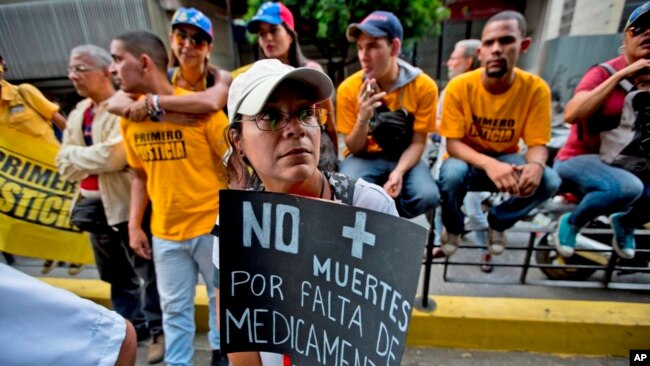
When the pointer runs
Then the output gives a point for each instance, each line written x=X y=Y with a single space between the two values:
x=325 y=283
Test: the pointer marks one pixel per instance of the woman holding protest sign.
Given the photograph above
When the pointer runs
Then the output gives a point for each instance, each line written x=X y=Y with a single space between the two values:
x=275 y=115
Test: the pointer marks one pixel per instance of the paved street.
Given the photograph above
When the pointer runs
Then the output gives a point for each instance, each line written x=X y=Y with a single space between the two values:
x=446 y=357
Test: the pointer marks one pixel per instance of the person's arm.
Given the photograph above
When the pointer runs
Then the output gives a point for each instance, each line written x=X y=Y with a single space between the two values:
x=586 y=102
x=407 y=160
x=530 y=174
x=101 y=157
x=120 y=102
x=503 y=175
x=211 y=100
x=139 y=198
x=245 y=359
x=368 y=99
x=41 y=105
x=59 y=121
x=536 y=134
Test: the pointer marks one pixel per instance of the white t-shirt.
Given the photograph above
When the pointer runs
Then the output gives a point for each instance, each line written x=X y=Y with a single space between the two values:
x=366 y=195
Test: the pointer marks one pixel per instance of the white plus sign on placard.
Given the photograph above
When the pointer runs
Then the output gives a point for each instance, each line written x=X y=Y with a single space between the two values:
x=359 y=235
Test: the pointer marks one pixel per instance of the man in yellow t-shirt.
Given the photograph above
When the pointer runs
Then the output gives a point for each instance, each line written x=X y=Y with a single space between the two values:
x=388 y=82
x=178 y=167
x=25 y=109
x=486 y=113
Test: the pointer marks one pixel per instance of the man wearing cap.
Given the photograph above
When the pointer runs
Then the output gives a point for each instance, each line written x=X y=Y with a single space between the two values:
x=179 y=168
x=388 y=83
x=485 y=114
x=596 y=106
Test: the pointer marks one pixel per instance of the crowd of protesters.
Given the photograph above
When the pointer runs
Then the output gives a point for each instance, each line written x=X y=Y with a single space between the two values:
x=279 y=134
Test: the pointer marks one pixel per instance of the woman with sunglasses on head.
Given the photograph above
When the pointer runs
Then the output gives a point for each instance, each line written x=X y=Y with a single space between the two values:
x=191 y=43
x=277 y=38
x=275 y=119
x=597 y=106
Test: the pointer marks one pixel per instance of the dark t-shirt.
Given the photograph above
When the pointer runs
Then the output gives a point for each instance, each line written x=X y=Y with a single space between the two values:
x=581 y=140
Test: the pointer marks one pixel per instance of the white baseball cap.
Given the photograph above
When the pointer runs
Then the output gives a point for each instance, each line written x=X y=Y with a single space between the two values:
x=251 y=89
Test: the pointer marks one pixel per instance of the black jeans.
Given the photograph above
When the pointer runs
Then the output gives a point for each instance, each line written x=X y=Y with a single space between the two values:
x=132 y=278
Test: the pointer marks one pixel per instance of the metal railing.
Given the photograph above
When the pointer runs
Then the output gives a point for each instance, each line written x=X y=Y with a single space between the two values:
x=537 y=235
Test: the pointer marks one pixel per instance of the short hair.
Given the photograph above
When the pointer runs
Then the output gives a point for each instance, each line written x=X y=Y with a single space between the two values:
x=510 y=15
x=144 y=42
x=470 y=46
x=99 y=57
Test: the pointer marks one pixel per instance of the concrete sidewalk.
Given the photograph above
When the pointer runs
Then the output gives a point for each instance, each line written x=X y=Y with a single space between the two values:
x=428 y=356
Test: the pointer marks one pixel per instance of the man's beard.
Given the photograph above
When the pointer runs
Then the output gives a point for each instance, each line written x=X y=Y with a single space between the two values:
x=500 y=72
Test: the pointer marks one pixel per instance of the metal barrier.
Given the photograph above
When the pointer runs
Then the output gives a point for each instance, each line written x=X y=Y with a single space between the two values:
x=536 y=235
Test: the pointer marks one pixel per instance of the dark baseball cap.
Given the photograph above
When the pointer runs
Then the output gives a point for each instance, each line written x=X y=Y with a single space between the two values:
x=637 y=14
x=378 y=24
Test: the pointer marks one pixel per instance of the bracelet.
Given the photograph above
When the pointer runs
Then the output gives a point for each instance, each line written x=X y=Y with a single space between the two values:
x=155 y=113
x=155 y=99
x=538 y=163
x=359 y=120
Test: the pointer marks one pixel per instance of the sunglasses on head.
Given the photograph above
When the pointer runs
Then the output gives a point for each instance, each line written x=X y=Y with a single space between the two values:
x=639 y=28
x=197 y=41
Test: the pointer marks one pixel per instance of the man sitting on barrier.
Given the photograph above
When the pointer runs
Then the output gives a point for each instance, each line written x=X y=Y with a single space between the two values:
x=390 y=90
x=486 y=112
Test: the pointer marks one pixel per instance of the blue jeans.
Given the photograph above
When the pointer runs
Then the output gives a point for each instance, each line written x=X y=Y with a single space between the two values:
x=178 y=264
x=605 y=190
x=419 y=190
x=457 y=178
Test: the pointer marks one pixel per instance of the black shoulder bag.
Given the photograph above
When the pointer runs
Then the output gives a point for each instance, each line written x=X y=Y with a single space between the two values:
x=393 y=130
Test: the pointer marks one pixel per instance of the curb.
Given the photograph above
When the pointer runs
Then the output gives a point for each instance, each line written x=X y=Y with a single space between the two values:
x=533 y=325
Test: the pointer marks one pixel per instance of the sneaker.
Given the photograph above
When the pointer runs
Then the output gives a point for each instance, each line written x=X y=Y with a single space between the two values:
x=486 y=263
x=450 y=242
x=564 y=240
x=623 y=240
x=156 y=349
x=75 y=268
x=218 y=359
x=48 y=266
x=496 y=241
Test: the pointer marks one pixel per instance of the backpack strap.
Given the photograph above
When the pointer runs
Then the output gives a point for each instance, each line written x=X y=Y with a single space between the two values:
x=342 y=186
x=624 y=83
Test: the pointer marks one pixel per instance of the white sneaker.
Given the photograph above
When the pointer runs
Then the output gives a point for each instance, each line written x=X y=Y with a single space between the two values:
x=450 y=243
x=496 y=241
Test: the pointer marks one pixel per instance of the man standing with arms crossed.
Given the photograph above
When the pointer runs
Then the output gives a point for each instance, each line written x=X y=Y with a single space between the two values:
x=180 y=168
x=486 y=112
x=387 y=80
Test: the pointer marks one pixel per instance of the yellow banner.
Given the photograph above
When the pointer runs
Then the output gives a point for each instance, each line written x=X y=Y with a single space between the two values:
x=35 y=202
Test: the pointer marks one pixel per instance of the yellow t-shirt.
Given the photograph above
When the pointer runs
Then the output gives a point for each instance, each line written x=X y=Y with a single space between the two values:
x=495 y=123
x=25 y=109
x=185 y=171
x=241 y=70
x=420 y=98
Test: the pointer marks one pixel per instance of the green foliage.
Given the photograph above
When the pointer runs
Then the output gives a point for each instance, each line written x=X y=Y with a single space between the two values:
x=324 y=22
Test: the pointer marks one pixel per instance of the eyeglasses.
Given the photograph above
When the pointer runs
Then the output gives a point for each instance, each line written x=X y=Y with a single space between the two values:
x=196 y=41
x=275 y=120
x=80 y=69
x=638 y=29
